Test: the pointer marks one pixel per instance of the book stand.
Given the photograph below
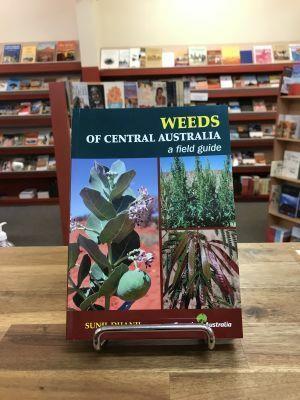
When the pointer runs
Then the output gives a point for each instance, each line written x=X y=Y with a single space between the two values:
x=99 y=342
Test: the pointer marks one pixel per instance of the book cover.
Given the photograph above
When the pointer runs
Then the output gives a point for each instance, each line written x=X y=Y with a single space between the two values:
x=109 y=58
x=281 y=52
x=160 y=93
x=274 y=198
x=168 y=59
x=291 y=164
x=246 y=56
x=153 y=57
x=28 y=54
x=79 y=95
x=231 y=55
x=66 y=50
x=130 y=94
x=145 y=94
x=3 y=85
x=114 y=94
x=124 y=58
x=263 y=54
x=289 y=201
x=142 y=57
x=171 y=94
x=13 y=85
x=45 y=52
x=11 y=53
x=214 y=57
x=294 y=52
x=226 y=82
x=181 y=55
x=96 y=95
x=134 y=57
x=152 y=232
x=197 y=55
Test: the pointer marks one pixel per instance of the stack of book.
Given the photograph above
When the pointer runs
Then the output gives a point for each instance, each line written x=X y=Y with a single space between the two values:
x=288 y=126
x=285 y=199
x=248 y=158
x=254 y=185
x=289 y=167
x=246 y=131
x=33 y=83
x=25 y=108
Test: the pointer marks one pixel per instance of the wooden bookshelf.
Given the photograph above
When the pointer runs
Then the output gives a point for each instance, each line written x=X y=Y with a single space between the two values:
x=23 y=95
x=254 y=198
x=287 y=179
x=253 y=116
x=248 y=143
x=10 y=121
x=68 y=67
x=251 y=169
x=278 y=215
x=239 y=92
x=26 y=150
x=27 y=174
x=16 y=201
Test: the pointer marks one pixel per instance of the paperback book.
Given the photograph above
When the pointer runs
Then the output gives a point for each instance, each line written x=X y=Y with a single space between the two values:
x=28 y=54
x=152 y=230
x=11 y=53
x=45 y=52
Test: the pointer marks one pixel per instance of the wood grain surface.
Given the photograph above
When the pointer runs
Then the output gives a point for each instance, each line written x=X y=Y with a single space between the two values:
x=37 y=363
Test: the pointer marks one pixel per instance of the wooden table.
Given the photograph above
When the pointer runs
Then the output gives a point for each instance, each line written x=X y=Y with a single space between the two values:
x=37 y=363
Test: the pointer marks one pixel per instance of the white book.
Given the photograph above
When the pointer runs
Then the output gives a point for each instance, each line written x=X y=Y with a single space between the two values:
x=109 y=58
x=276 y=168
x=27 y=194
x=43 y=194
x=226 y=81
x=124 y=58
x=168 y=59
x=197 y=55
x=134 y=57
x=291 y=164
x=79 y=95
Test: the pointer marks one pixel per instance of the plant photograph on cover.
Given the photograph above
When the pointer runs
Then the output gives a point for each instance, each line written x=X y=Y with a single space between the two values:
x=200 y=269
x=196 y=192
x=114 y=261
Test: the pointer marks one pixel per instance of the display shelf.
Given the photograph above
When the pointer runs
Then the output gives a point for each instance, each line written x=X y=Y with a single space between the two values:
x=251 y=198
x=73 y=67
x=14 y=201
x=239 y=92
x=251 y=142
x=288 y=140
x=24 y=95
x=25 y=120
x=27 y=174
x=197 y=70
x=290 y=97
x=248 y=169
x=253 y=116
x=18 y=150
x=285 y=217
x=285 y=178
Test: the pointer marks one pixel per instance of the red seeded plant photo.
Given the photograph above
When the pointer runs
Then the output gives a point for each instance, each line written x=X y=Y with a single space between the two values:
x=114 y=257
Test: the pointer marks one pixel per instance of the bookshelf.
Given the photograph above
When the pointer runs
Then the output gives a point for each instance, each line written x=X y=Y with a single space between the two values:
x=14 y=182
x=268 y=92
x=285 y=105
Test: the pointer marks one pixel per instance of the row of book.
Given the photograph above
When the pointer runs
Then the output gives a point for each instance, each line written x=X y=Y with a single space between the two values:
x=156 y=57
x=50 y=51
x=246 y=131
x=289 y=167
x=281 y=234
x=32 y=83
x=251 y=185
x=290 y=84
x=288 y=126
x=249 y=158
x=236 y=81
x=285 y=199
x=25 y=108
x=33 y=193
x=21 y=164
x=151 y=94
x=30 y=138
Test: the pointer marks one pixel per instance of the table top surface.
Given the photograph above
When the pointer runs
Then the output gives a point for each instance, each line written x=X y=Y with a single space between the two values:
x=36 y=362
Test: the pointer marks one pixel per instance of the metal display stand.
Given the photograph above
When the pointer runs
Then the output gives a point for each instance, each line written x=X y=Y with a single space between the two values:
x=99 y=342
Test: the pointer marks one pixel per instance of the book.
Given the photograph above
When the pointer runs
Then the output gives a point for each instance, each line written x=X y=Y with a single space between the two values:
x=3 y=85
x=31 y=138
x=181 y=55
x=13 y=85
x=226 y=82
x=79 y=95
x=43 y=139
x=142 y=57
x=124 y=58
x=11 y=53
x=171 y=94
x=28 y=54
x=27 y=194
x=25 y=108
x=109 y=58
x=36 y=107
x=291 y=164
x=66 y=50
x=263 y=54
x=276 y=168
x=197 y=55
x=114 y=94
x=168 y=59
x=289 y=201
x=153 y=57
x=294 y=52
x=134 y=57
x=213 y=83
x=146 y=94
x=274 y=198
x=295 y=234
x=248 y=80
x=263 y=80
x=130 y=94
x=160 y=94
x=42 y=163
x=43 y=194
x=278 y=234
x=45 y=52
x=246 y=56
x=214 y=57
x=96 y=95
x=259 y=105
x=281 y=52
x=231 y=55
x=139 y=174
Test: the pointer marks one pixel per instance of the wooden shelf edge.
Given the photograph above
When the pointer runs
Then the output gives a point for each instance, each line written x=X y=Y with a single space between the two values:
x=27 y=174
x=286 y=178
x=38 y=150
x=252 y=116
x=238 y=92
x=11 y=201
x=239 y=143
x=244 y=169
x=24 y=95
x=41 y=68
x=285 y=217
x=251 y=198
x=287 y=140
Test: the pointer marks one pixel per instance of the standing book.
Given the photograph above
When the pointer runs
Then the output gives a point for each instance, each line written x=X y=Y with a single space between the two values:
x=66 y=50
x=28 y=53
x=152 y=231
x=11 y=53
x=263 y=54
x=45 y=52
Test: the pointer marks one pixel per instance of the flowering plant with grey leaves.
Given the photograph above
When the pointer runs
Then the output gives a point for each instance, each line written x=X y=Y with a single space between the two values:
x=115 y=212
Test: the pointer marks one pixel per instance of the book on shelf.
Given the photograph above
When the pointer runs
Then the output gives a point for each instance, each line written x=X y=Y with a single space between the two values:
x=153 y=57
x=259 y=105
x=291 y=164
x=146 y=94
x=226 y=82
x=114 y=94
x=230 y=55
x=248 y=80
x=124 y=58
x=13 y=85
x=43 y=194
x=42 y=162
x=260 y=158
x=66 y=50
x=263 y=80
x=289 y=201
x=281 y=52
x=263 y=54
x=234 y=107
x=288 y=126
x=79 y=95
x=294 y=52
x=3 y=85
x=27 y=194
x=295 y=234
x=36 y=108
x=143 y=57
x=109 y=58
x=28 y=54
x=181 y=55
x=130 y=94
x=171 y=94
x=197 y=55
x=52 y=164
x=214 y=57
x=11 y=53
x=96 y=96
x=274 y=199
x=276 y=168
x=45 y=52
x=278 y=234
x=25 y=108
x=168 y=59
x=213 y=83
x=246 y=56
x=160 y=94
x=134 y=57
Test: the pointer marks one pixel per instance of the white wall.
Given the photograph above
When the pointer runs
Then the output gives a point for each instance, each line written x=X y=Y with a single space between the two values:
x=37 y=20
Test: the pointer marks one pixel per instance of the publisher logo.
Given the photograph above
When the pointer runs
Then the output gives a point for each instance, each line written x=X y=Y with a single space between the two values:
x=201 y=318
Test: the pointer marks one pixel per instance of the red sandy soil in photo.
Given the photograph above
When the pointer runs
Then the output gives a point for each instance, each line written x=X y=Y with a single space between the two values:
x=150 y=243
